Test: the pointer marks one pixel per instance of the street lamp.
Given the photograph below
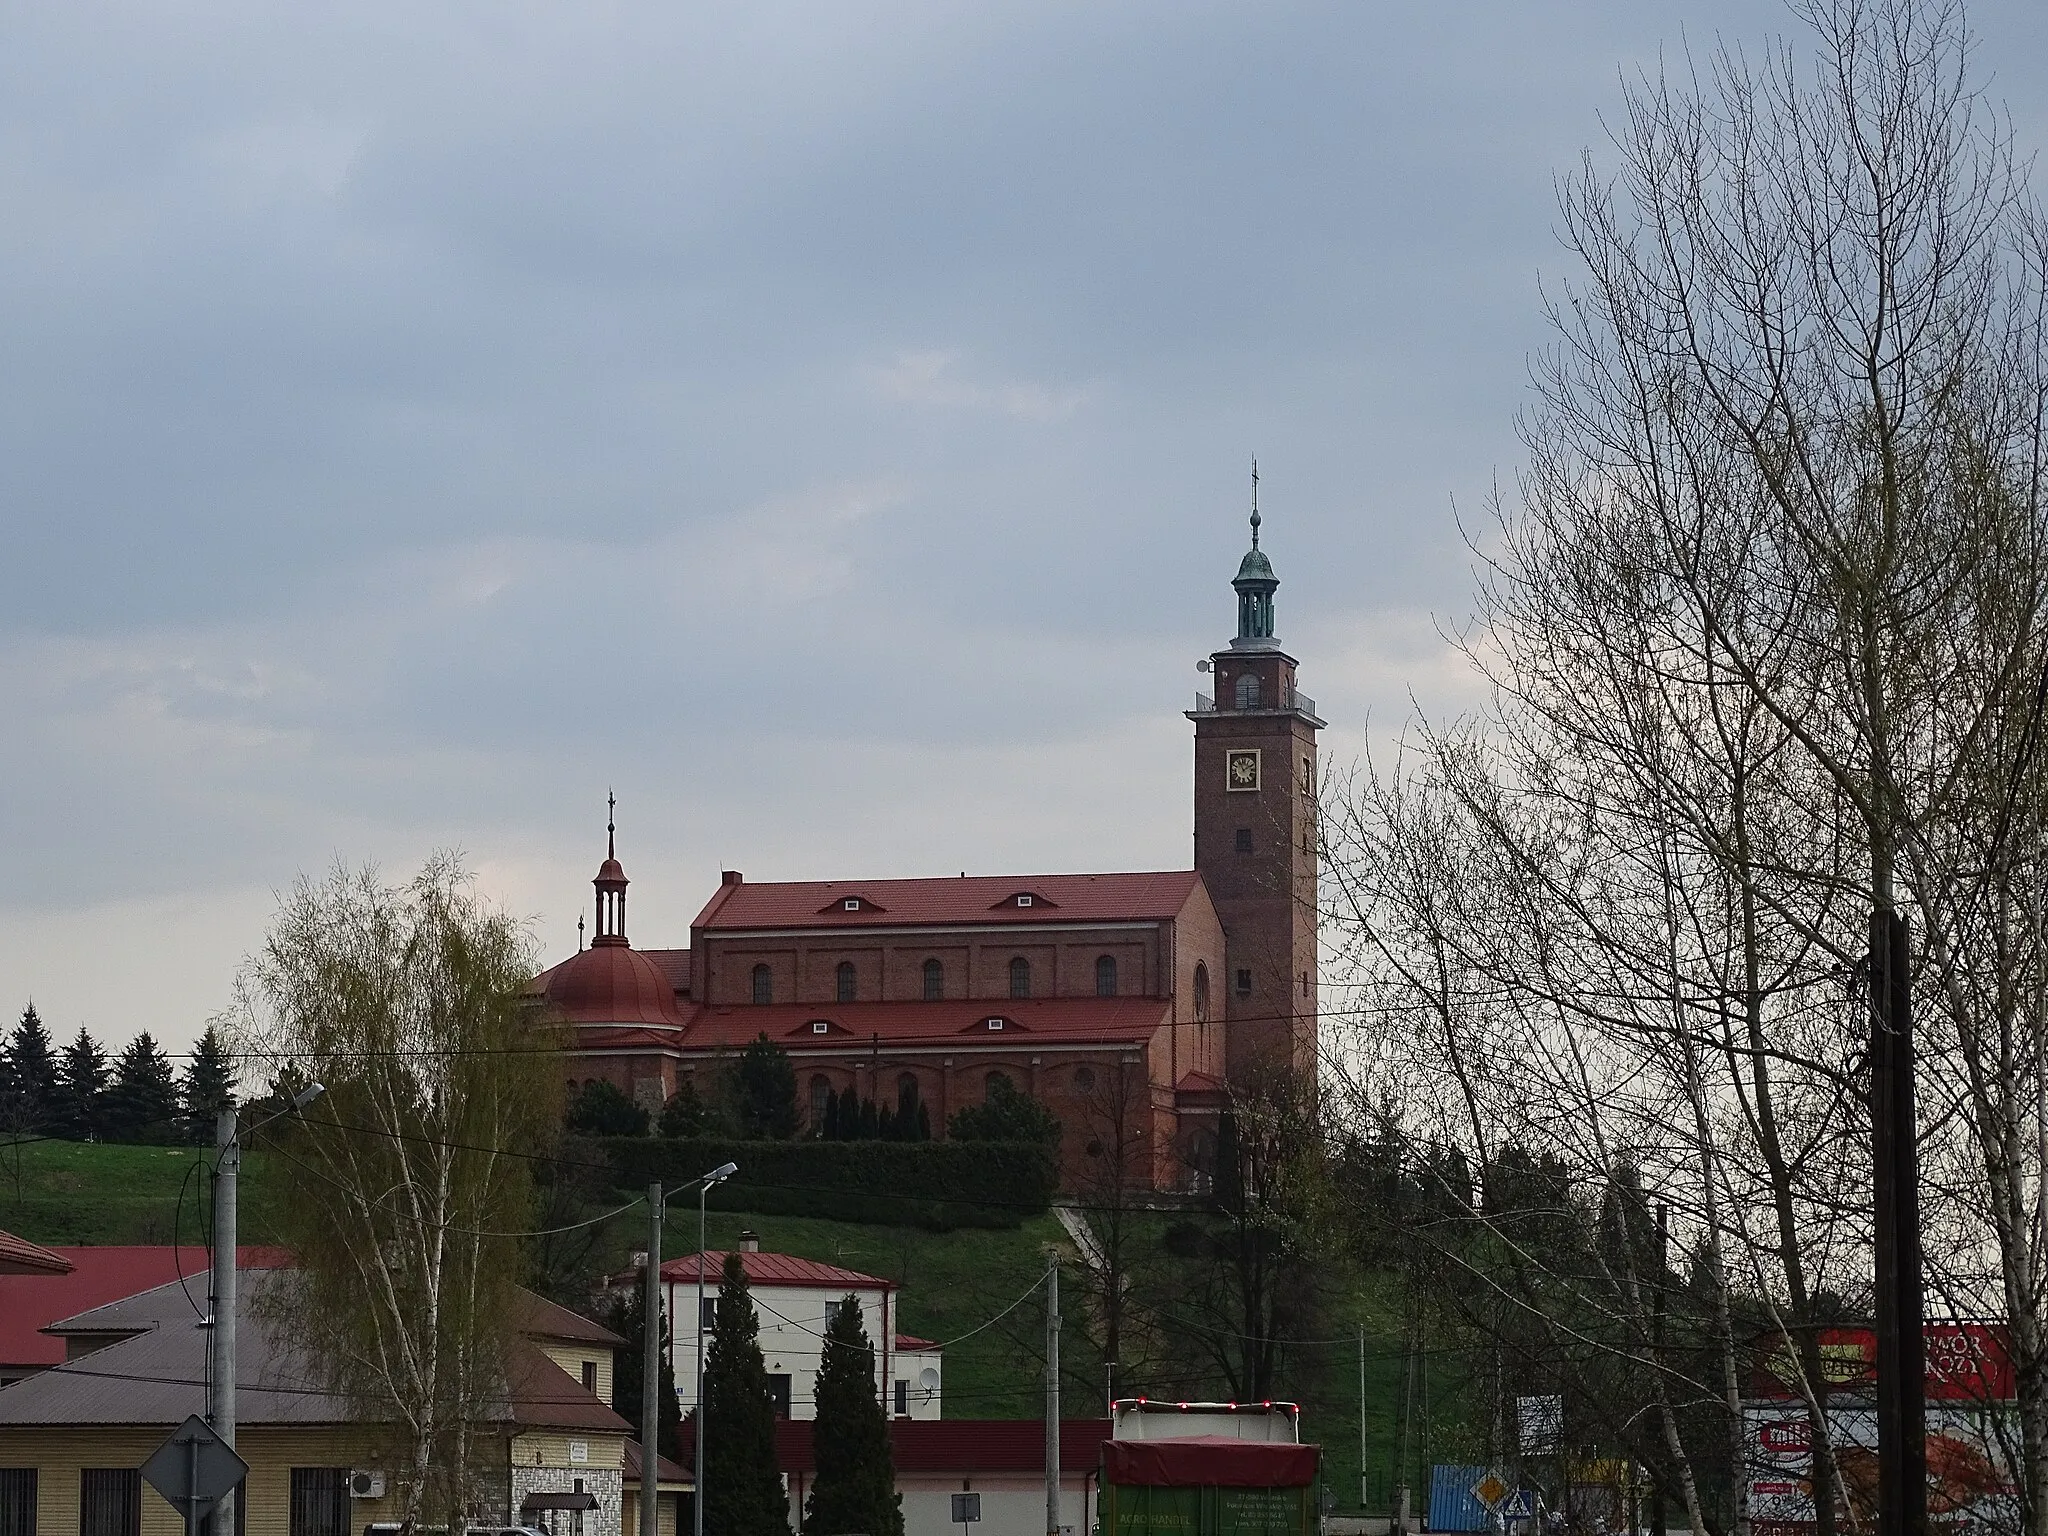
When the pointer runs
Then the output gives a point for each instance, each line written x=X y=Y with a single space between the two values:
x=715 y=1176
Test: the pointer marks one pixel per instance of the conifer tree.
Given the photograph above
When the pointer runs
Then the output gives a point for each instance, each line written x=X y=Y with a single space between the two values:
x=627 y=1317
x=79 y=1101
x=209 y=1087
x=764 y=1088
x=142 y=1103
x=684 y=1115
x=855 y=1488
x=740 y=1485
x=30 y=1078
x=829 y=1131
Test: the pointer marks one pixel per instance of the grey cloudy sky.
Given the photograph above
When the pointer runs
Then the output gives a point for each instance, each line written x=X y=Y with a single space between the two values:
x=825 y=423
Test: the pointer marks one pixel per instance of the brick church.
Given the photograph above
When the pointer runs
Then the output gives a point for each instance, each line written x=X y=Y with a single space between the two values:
x=1128 y=1004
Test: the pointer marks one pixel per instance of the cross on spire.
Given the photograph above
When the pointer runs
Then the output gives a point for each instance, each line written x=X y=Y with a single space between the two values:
x=1255 y=501
x=611 y=809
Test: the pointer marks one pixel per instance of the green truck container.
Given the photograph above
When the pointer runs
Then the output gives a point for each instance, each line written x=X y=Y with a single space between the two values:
x=1208 y=1486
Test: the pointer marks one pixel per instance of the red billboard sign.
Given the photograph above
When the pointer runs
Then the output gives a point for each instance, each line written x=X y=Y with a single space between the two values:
x=1966 y=1363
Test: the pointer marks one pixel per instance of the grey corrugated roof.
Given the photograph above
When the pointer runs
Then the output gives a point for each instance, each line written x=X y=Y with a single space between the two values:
x=159 y=1375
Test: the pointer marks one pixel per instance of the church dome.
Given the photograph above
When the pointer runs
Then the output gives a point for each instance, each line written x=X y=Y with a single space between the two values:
x=1254 y=566
x=611 y=984
x=610 y=872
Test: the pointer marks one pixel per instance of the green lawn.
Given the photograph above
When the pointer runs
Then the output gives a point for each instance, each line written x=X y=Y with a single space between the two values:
x=64 y=1192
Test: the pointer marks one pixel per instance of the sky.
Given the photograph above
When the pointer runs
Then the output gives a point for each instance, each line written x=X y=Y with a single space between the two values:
x=825 y=425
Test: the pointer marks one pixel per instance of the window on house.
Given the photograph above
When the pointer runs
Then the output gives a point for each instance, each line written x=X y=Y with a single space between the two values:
x=1244 y=983
x=1105 y=975
x=764 y=984
x=902 y=1399
x=320 y=1504
x=995 y=1023
x=821 y=1089
x=821 y=1026
x=1248 y=690
x=906 y=1094
x=851 y=904
x=778 y=1392
x=1023 y=901
x=934 y=981
x=989 y=1089
x=1020 y=977
x=590 y=1375
x=1084 y=1079
x=110 y=1502
x=707 y=1311
x=17 y=1501
x=846 y=982
x=1201 y=992
x=1244 y=839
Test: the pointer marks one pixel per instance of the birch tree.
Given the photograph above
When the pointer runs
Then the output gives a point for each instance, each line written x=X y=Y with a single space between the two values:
x=408 y=1187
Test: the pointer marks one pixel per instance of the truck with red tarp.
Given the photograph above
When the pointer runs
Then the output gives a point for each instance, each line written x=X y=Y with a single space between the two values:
x=1242 y=1473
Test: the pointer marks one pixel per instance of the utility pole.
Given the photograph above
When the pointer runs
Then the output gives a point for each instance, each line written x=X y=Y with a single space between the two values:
x=650 y=1372
x=1901 y=1350
x=1657 y=1349
x=221 y=1410
x=1052 y=1394
x=1362 y=1481
x=227 y=1166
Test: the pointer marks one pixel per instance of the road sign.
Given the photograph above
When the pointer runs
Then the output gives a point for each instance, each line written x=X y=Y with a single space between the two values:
x=966 y=1508
x=1490 y=1490
x=1517 y=1508
x=194 y=1468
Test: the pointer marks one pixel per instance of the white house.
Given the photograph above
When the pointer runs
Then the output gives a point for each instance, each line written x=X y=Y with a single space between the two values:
x=794 y=1299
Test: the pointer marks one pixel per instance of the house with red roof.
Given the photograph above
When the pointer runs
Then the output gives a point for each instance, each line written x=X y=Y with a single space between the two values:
x=1127 y=1003
x=794 y=1299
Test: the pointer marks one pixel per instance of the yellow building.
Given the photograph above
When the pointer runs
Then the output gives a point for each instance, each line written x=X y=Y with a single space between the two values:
x=552 y=1454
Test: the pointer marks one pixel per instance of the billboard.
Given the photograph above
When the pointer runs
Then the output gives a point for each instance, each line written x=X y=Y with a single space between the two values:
x=1966 y=1363
x=1970 y=1487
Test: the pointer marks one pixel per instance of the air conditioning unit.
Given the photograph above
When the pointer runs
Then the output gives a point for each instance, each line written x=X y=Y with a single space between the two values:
x=366 y=1485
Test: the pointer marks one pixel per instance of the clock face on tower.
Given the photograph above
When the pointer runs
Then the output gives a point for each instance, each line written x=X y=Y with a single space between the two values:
x=1241 y=769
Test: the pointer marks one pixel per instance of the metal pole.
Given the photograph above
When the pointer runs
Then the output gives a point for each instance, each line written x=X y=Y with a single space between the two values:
x=1361 y=1417
x=1901 y=1358
x=221 y=1412
x=697 y=1500
x=1052 y=1395
x=650 y=1377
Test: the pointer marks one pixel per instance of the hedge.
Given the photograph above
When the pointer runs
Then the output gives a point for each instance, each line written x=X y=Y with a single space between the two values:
x=933 y=1184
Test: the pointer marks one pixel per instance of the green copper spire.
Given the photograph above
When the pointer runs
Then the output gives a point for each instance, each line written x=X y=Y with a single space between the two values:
x=1255 y=583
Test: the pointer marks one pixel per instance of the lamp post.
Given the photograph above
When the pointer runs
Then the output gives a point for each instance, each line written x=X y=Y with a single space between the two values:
x=715 y=1176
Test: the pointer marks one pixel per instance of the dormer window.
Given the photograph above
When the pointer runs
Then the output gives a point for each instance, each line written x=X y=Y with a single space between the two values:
x=1023 y=901
x=851 y=904
x=820 y=1027
x=995 y=1023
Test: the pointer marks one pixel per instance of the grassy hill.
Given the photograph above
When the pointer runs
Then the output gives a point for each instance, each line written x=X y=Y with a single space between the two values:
x=952 y=1282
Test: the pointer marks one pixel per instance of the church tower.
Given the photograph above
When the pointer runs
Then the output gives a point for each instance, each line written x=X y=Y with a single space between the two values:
x=1255 y=831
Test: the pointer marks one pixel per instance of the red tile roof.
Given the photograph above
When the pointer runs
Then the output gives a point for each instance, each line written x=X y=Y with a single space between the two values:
x=961 y=1446
x=674 y=964
x=97 y=1276
x=19 y=1256
x=1065 y=1019
x=912 y=1342
x=775 y=1269
x=1150 y=896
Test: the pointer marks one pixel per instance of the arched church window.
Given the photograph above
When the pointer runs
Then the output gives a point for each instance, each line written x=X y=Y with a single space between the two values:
x=821 y=1089
x=1020 y=977
x=1201 y=992
x=906 y=1094
x=934 y=981
x=1105 y=975
x=846 y=984
x=1247 y=690
x=764 y=984
x=1084 y=1079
